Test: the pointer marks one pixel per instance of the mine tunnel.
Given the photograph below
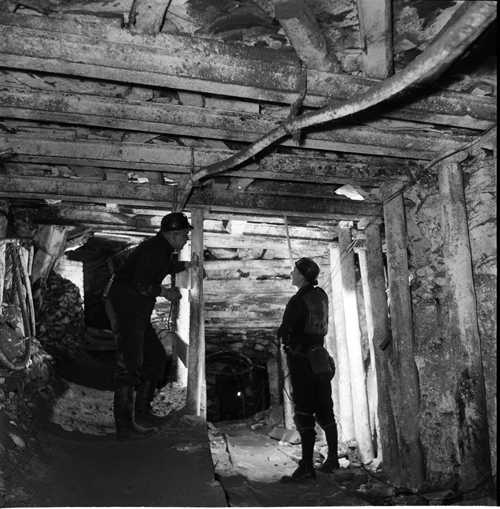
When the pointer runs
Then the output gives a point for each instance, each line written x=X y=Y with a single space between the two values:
x=359 y=135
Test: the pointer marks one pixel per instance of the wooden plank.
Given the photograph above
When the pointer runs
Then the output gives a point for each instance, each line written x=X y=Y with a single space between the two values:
x=468 y=390
x=375 y=275
x=153 y=213
x=161 y=196
x=248 y=265
x=174 y=159
x=181 y=349
x=375 y=27
x=213 y=316
x=303 y=30
x=172 y=61
x=149 y=220
x=322 y=208
x=196 y=387
x=238 y=325
x=261 y=287
x=146 y=16
x=407 y=394
x=259 y=242
x=250 y=300
x=266 y=307
x=355 y=348
x=164 y=118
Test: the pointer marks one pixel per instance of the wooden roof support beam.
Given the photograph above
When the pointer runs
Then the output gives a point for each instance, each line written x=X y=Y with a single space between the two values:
x=64 y=47
x=152 y=158
x=160 y=118
x=146 y=16
x=375 y=28
x=437 y=57
x=148 y=221
x=299 y=22
x=161 y=197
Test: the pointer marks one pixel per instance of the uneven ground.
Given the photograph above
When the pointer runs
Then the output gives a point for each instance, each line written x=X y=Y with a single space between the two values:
x=76 y=461
x=68 y=456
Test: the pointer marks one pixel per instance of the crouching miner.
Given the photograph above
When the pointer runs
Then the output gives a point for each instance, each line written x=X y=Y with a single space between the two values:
x=302 y=335
x=140 y=355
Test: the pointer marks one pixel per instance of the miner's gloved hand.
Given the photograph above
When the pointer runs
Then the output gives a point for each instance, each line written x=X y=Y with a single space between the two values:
x=171 y=294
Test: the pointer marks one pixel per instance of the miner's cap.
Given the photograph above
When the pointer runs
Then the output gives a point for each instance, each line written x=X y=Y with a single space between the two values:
x=309 y=269
x=174 y=222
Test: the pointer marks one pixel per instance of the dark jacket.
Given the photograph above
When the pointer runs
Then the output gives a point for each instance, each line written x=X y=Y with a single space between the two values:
x=305 y=321
x=148 y=265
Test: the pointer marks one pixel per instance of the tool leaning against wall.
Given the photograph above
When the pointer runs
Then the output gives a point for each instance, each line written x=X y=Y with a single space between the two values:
x=17 y=298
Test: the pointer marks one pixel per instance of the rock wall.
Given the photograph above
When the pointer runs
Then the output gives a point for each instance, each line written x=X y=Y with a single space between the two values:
x=60 y=319
x=435 y=358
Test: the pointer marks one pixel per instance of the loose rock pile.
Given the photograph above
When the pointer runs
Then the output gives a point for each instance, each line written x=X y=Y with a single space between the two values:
x=60 y=317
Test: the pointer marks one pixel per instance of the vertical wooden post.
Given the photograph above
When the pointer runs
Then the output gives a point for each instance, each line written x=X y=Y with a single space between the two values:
x=274 y=381
x=180 y=340
x=287 y=392
x=372 y=373
x=4 y=208
x=345 y=416
x=330 y=342
x=470 y=391
x=51 y=245
x=196 y=358
x=406 y=386
x=375 y=276
x=356 y=364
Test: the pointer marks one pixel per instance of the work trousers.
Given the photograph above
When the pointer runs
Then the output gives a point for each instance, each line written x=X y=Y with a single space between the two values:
x=140 y=354
x=312 y=398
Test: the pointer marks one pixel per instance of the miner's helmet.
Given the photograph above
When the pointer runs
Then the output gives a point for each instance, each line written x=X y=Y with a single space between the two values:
x=309 y=269
x=174 y=222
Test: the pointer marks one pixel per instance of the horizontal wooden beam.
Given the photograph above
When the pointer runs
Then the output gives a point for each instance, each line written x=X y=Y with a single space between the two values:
x=157 y=196
x=171 y=160
x=241 y=325
x=148 y=220
x=258 y=242
x=292 y=206
x=39 y=43
x=91 y=110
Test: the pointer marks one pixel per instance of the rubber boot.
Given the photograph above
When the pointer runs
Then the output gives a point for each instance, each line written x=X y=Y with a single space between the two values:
x=123 y=409
x=304 y=472
x=331 y=463
x=144 y=414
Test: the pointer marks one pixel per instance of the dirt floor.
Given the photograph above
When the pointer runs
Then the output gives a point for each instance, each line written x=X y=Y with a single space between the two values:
x=76 y=461
x=69 y=457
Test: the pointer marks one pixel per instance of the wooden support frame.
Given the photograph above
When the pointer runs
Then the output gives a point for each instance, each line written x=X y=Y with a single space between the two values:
x=345 y=413
x=375 y=275
x=375 y=27
x=470 y=390
x=299 y=22
x=406 y=388
x=355 y=355
x=196 y=388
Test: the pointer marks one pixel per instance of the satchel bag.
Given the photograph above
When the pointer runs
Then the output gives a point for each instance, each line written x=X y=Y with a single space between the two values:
x=322 y=363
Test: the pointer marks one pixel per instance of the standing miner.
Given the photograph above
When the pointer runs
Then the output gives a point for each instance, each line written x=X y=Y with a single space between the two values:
x=302 y=334
x=141 y=357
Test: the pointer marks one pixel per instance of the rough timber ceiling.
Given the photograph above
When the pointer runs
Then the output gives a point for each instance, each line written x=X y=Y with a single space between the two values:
x=108 y=109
